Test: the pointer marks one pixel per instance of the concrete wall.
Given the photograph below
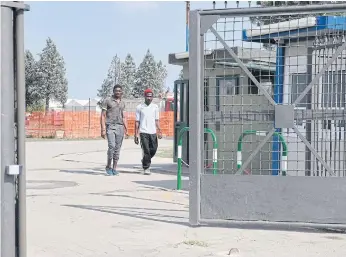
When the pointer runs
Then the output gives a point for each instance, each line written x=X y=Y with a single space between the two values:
x=274 y=198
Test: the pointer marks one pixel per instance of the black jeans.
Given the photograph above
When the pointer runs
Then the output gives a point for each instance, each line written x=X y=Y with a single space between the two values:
x=149 y=144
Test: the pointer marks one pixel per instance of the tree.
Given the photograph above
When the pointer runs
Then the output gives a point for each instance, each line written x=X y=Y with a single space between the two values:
x=33 y=93
x=146 y=75
x=52 y=74
x=161 y=78
x=105 y=90
x=264 y=20
x=113 y=76
x=128 y=76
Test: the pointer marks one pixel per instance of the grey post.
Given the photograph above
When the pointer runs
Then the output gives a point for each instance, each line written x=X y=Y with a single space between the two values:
x=0 y=136
x=196 y=116
x=20 y=79
x=12 y=106
x=8 y=237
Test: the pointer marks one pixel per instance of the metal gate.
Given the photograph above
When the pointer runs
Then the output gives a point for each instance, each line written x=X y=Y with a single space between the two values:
x=276 y=99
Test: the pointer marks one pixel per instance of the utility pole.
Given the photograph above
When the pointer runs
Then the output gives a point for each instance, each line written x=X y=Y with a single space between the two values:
x=187 y=26
x=12 y=128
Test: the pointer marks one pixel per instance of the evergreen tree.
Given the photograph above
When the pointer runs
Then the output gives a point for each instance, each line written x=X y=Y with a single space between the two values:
x=138 y=89
x=128 y=76
x=33 y=94
x=146 y=76
x=52 y=74
x=105 y=90
x=113 y=76
x=160 y=86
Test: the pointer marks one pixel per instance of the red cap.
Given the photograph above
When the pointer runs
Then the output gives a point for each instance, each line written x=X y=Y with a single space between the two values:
x=148 y=91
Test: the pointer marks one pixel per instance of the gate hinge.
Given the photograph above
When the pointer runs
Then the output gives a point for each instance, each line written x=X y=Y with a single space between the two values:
x=14 y=170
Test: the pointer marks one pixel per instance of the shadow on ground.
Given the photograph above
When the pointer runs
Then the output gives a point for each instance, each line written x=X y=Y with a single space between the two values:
x=85 y=172
x=168 y=169
x=149 y=214
x=166 y=184
x=170 y=216
x=111 y=194
x=49 y=184
x=162 y=168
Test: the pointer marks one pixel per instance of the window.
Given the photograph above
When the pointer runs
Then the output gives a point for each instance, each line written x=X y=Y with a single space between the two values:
x=226 y=86
x=333 y=89
x=298 y=84
x=229 y=86
x=327 y=124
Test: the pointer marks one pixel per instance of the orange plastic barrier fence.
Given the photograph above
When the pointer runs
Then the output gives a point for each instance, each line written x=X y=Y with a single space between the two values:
x=82 y=124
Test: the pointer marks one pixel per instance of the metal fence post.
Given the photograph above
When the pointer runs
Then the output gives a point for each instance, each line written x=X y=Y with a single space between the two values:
x=7 y=135
x=20 y=81
x=196 y=116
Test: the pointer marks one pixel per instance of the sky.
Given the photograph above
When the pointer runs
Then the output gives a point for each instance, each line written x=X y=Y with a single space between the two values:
x=89 y=34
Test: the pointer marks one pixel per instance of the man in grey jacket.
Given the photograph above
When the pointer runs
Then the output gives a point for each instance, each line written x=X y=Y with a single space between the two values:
x=114 y=126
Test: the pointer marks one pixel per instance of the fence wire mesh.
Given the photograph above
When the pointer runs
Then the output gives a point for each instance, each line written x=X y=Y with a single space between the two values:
x=274 y=94
x=82 y=124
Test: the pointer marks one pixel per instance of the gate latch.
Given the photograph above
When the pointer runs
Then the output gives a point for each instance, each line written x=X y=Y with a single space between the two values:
x=14 y=170
x=284 y=116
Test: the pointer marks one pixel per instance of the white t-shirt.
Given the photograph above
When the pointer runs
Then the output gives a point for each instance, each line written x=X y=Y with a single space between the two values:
x=146 y=115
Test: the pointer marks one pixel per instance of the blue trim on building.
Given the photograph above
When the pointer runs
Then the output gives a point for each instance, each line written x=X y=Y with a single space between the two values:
x=278 y=98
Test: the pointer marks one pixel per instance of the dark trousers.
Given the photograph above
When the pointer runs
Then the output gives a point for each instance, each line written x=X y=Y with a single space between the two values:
x=149 y=144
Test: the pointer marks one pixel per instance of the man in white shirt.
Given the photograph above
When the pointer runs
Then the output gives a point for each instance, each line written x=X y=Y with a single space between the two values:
x=147 y=129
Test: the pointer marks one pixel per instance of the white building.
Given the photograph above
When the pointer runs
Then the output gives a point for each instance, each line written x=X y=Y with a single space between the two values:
x=76 y=105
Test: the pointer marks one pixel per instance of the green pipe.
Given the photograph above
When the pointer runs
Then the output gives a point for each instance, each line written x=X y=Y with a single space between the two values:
x=262 y=133
x=215 y=147
x=179 y=155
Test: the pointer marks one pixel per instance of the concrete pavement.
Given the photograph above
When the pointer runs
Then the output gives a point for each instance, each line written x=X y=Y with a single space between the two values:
x=75 y=210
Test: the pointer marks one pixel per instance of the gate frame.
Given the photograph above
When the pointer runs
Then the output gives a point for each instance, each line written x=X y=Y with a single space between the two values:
x=200 y=22
x=13 y=241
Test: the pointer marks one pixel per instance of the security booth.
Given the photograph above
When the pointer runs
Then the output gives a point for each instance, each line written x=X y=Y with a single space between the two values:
x=310 y=93
x=181 y=115
x=225 y=87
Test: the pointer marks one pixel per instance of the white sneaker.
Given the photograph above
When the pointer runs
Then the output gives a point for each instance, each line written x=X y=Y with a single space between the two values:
x=147 y=172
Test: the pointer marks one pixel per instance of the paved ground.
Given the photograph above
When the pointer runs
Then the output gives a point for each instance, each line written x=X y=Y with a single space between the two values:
x=75 y=210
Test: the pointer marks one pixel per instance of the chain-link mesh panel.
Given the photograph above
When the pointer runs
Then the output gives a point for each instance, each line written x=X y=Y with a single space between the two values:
x=274 y=94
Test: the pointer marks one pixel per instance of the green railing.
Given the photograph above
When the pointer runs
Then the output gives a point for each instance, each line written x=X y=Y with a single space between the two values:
x=180 y=142
x=262 y=133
